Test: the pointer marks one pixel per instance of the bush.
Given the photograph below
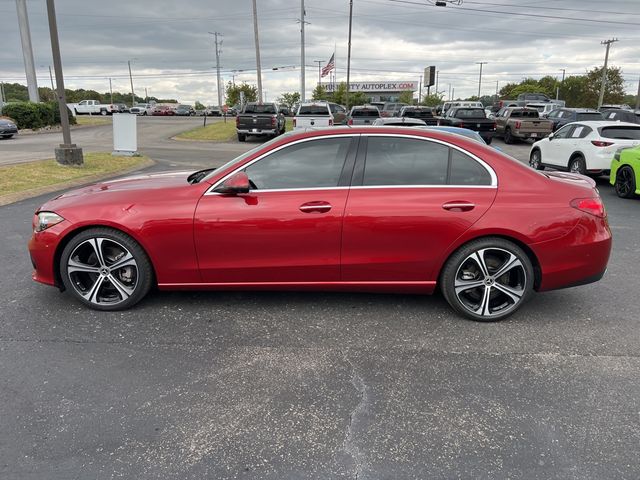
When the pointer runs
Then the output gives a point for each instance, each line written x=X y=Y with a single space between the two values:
x=34 y=115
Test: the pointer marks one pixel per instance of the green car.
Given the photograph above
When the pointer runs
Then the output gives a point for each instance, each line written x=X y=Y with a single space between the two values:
x=625 y=172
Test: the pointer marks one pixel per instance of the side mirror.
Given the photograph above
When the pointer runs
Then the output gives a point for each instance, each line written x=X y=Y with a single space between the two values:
x=235 y=184
x=551 y=135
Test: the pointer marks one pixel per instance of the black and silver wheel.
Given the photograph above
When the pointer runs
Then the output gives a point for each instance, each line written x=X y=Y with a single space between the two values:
x=105 y=269
x=625 y=182
x=103 y=112
x=241 y=137
x=535 y=160
x=488 y=279
x=577 y=165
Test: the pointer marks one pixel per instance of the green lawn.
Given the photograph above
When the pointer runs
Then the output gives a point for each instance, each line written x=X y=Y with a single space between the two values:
x=218 y=131
x=93 y=120
x=20 y=178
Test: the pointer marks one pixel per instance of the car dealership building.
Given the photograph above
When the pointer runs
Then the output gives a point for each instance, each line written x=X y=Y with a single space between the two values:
x=378 y=91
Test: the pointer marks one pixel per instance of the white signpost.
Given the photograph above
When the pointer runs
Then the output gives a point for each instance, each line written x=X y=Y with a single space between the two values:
x=125 y=134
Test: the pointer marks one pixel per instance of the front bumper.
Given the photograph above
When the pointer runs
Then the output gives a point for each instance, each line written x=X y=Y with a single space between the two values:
x=42 y=249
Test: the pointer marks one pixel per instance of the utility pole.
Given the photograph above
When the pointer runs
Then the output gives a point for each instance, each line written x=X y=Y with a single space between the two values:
x=302 y=61
x=146 y=95
x=563 y=70
x=68 y=153
x=638 y=97
x=218 y=51
x=420 y=91
x=453 y=93
x=604 y=70
x=480 y=78
x=27 y=50
x=437 y=75
x=133 y=95
x=53 y=89
x=497 y=82
x=255 y=34
x=450 y=92
x=1 y=96
x=349 y=53
x=110 y=90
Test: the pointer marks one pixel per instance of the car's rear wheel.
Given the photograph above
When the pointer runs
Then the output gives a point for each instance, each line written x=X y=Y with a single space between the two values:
x=242 y=137
x=508 y=137
x=488 y=140
x=625 y=182
x=577 y=165
x=488 y=279
x=103 y=112
x=105 y=269
x=535 y=160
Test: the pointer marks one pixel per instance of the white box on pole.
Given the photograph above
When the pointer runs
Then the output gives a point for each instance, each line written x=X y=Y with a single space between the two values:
x=125 y=134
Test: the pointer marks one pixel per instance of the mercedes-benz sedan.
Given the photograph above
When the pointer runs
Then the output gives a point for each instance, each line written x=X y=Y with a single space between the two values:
x=381 y=209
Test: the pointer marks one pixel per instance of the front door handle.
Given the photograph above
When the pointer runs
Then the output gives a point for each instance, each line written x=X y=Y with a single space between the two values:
x=315 y=207
x=459 y=206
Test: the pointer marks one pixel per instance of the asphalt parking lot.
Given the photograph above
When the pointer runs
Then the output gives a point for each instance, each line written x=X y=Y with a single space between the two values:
x=193 y=385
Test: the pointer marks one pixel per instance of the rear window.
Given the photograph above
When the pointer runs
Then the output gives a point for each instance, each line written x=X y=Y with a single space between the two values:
x=621 y=133
x=260 y=109
x=418 y=113
x=470 y=113
x=313 y=110
x=368 y=112
x=524 y=114
x=589 y=116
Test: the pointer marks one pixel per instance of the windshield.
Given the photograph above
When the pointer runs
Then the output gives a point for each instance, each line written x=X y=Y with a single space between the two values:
x=259 y=108
x=313 y=110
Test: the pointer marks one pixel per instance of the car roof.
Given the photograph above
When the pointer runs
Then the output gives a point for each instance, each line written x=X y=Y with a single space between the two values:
x=579 y=110
x=603 y=123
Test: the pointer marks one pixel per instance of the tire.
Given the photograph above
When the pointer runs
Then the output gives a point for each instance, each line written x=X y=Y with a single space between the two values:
x=91 y=277
x=625 y=182
x=144 y=114
x=103 y=112
x=507 y=291
x=535 y=160
x=508 y=138
x=75 y=110
x=577 y=165
x=488 y=140
x=242 y=137
x=7 y=136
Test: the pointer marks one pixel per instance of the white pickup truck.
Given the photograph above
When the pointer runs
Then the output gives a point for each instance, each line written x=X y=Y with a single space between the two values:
x=94 y=107
x=313 y=115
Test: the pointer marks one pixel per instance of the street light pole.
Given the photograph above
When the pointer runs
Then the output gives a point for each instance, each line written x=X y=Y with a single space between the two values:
x=53 y=89
x=27 y=50
x=302 y=61
x=133 y=95
x=563 y=70
x=349 y=53
x=480 y=78
x=319 y=62
x=110 y=90
x=68 y=153
x=257 y=41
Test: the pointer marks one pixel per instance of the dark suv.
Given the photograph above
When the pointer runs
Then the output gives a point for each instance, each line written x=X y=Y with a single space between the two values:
x=561 y=116
x=622 y=115
x=423 y=113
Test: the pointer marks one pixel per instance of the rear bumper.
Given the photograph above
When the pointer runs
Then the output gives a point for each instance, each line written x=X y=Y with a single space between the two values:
x=257 y=131
x=533 y=135
x=578 y=258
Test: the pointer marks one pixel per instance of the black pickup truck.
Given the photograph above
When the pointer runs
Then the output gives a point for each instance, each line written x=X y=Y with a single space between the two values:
x=260 y=119
x=471 y=118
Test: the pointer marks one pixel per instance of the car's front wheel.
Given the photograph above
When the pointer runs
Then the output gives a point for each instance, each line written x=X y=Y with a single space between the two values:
x=625 y=182
x=106 y=269
x=487 y=279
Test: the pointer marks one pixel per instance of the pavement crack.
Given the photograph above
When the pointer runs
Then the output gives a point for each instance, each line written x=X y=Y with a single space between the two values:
x=354 y=418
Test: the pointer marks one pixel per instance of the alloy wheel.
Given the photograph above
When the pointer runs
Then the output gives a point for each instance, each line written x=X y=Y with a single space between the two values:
x=103 y=271
x=535 y=161
x=625 y=183
x=490 y=282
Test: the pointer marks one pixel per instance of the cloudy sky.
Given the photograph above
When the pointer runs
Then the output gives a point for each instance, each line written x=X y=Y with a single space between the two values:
x=172 y=53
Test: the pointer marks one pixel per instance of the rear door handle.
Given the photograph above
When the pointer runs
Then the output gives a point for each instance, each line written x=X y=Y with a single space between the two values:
x=315 y=207
x=459 y=206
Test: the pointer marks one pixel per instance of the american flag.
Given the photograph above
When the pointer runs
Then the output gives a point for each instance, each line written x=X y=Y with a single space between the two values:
x=328 y=67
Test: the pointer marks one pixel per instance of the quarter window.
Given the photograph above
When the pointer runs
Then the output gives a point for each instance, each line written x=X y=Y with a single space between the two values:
x=466 y=171
x=312 y=164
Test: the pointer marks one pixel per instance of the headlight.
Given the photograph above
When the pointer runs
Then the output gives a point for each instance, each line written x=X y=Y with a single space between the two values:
x=45 y=220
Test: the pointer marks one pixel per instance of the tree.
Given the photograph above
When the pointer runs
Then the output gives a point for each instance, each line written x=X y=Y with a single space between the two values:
x=289 y=99
x=406 y=97
x=432 y=100
x=198 y=105
x=614 y=89
x=232 y=93
x=319 y=93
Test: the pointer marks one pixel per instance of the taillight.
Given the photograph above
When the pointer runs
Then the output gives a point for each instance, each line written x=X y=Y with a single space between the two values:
x=274 y=121
x=462 y=125
x=237 y=122
x=495 y=125
x=600 y=143
x=518 y=124
x=592 y=206
x=350 y=121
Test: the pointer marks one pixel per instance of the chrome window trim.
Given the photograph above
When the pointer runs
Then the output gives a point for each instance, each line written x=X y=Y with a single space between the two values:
x=492 y=174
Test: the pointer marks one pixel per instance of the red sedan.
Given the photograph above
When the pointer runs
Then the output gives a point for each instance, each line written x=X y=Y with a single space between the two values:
x=386 y=209
x=163 y=111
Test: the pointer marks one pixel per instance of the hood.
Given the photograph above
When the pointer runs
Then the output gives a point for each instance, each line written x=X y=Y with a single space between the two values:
x=147 y=182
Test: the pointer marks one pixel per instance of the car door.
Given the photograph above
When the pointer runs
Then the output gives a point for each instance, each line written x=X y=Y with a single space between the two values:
x=287 y=228
x=557 y=149
x=501 y=119
x=411 y=198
